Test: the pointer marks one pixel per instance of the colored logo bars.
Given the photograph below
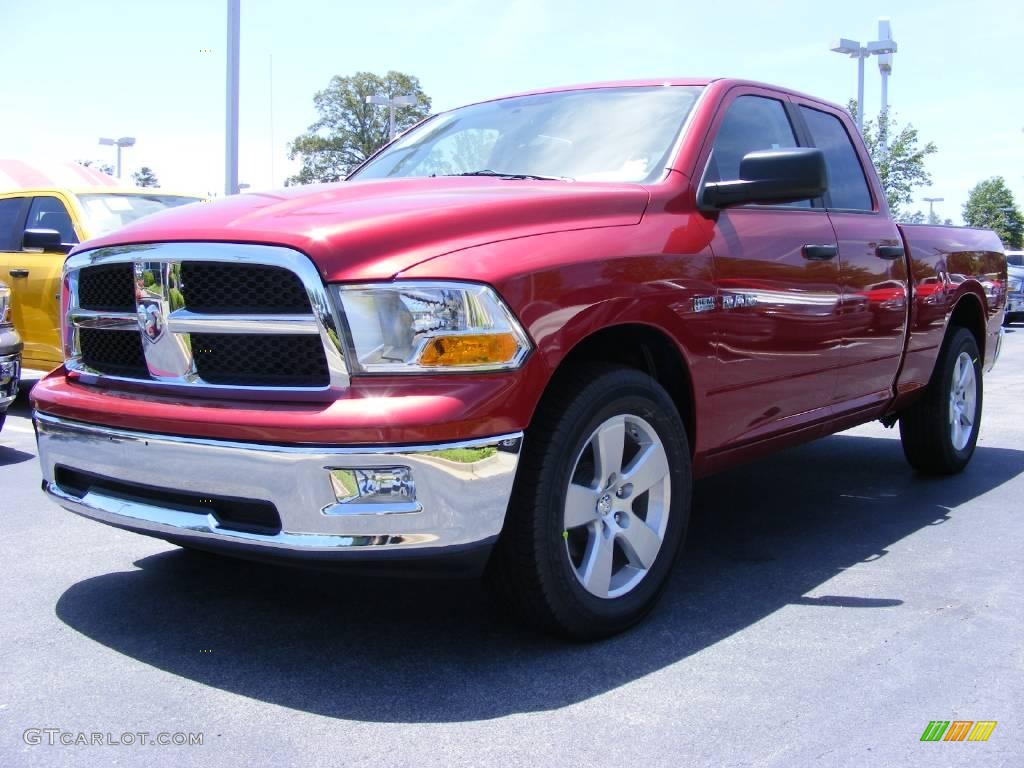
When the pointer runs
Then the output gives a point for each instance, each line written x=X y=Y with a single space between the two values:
x=958 y=730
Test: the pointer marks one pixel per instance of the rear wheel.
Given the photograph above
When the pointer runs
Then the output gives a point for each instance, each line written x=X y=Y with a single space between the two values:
x=939 y=432
x=600 y=507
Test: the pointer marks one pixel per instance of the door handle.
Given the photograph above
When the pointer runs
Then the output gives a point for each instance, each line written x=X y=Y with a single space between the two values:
x=18 y=273
x=889 y=251
x=820 y=252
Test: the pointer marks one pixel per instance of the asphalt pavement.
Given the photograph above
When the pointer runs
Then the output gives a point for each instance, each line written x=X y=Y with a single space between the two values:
x=829 y=604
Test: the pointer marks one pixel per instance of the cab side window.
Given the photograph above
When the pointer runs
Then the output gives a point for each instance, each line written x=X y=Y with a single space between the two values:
x=847 y=187
x=50 y=213
x=11 y=212
x=751 y=123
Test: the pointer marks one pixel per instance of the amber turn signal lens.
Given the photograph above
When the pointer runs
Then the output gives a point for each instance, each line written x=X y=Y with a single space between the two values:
x=475 y=349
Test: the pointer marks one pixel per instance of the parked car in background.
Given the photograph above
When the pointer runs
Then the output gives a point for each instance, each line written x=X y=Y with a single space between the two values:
x=511 y=340
x=1014 y=287
x=37 y=229
x=10 y=355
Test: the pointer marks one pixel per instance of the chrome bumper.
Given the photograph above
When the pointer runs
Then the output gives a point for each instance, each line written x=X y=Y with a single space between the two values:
x=458 y=502
x=10 y=370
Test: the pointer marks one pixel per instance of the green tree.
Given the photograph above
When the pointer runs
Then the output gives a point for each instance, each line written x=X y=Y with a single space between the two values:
x=144 y=177
x=990 y=205
x=349 y=130
x=900 y=167
x=917 y=217
x=106 y=168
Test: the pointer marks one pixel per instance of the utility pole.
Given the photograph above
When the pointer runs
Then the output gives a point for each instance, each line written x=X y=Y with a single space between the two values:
x=124 y=141
x=392 y=103
x=231 y=127
x=931 y=208
x=885 y=69
x=884 y=47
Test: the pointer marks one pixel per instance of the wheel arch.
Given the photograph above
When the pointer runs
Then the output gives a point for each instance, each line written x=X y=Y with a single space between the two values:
x=969 y=313
x=643 y=347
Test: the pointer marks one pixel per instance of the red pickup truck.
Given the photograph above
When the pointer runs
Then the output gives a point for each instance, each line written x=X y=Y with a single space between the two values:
x=512 y=338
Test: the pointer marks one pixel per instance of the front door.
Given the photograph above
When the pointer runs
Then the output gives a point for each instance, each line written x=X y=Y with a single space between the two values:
x=34 y=279
x=778 y=308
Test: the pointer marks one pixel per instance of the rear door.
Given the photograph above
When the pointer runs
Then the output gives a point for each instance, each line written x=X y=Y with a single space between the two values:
x=874 y=302
x=34 y=278
x=777 y=308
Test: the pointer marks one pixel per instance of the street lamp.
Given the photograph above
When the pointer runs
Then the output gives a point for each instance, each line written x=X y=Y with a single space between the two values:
x=392 y=103
x=931 y=207
x=855 y=50
x=124 y=141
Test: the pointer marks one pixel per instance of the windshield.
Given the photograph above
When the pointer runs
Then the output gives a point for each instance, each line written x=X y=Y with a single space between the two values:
x=1015 y=259
x=106 y=212
x=598 y=134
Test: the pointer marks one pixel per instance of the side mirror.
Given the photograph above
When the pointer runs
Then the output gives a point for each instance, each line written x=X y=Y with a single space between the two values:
x=46 y=240
x=770 y=176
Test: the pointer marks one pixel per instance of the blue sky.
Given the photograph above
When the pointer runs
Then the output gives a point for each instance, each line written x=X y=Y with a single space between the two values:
x=74 y=71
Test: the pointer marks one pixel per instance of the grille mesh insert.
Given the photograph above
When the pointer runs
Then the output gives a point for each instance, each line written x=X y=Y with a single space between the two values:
x=107 y=288
x=116 y=353
x=219 y=288
x=252 y=360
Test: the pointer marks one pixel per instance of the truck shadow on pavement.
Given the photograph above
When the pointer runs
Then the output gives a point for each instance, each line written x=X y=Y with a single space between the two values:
x=762 y=537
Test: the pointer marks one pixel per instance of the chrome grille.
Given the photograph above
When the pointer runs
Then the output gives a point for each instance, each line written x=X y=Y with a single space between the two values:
x=229 y=319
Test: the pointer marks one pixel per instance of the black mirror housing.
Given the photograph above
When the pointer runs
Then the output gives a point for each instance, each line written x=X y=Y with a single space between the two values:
x=770 y=176
x=46 y=240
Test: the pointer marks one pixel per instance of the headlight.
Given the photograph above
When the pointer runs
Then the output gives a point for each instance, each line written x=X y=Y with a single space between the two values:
x=5 y=304
x=1013 y=285
x=418 y=327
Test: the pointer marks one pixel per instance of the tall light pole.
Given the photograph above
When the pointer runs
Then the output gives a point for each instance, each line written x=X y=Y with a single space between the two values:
x=392 y=103
x=885 y=69
x=231 y=111
x=124 y=141
x=855 y=50
x=931 y=207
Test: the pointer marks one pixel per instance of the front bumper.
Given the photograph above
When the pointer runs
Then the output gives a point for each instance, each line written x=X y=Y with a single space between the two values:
x=176 y=488
x=10 y=372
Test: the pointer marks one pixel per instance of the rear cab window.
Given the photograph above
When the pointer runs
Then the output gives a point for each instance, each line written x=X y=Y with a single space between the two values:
x=848 y=187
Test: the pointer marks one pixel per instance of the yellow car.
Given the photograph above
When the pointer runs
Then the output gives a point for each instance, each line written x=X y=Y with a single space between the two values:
x=38 y=226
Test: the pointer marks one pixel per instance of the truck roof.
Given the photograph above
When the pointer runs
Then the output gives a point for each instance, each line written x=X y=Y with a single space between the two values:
x=724 y=82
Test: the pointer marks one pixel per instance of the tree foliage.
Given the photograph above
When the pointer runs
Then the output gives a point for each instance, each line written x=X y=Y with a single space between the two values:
x=990 y=205
x=913 y=218
x=106 y=168
x=144 y=177
x=901 y=167
x=349 y=130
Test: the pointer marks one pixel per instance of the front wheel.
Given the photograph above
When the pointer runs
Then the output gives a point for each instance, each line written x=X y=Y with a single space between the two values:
x=600 y=507
x=939 y=432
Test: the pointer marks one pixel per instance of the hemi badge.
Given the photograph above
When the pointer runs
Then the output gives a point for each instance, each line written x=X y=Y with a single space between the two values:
x=703 y=303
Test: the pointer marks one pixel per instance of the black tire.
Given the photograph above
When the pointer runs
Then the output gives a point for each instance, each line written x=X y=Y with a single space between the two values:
x=926 y=427
x=531 y=569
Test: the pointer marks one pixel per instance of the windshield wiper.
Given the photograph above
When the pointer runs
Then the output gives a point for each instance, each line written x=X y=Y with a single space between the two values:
x=498 y=175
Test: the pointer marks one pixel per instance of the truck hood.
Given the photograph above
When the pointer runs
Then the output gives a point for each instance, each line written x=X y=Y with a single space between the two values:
x=366 y=230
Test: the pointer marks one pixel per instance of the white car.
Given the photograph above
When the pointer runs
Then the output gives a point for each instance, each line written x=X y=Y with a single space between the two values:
x=1014 y=287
